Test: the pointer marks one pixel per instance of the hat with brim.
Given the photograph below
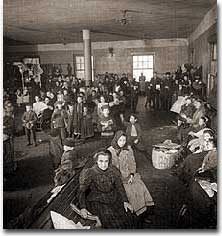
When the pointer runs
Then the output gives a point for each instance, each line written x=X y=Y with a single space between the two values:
x=69 y=142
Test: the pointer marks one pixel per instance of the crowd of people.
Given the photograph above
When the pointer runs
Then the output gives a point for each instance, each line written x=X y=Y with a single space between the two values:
x=196 y=163
x=75 y=113
x=163 y=90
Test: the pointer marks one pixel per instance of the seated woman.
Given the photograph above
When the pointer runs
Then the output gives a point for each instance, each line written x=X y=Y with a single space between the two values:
x=185 y=118
x=195 y=138
x=102 y=194
x=194 y=161
x=201 y=200
x=123 y=158
x=193 y=123
x=203 y=190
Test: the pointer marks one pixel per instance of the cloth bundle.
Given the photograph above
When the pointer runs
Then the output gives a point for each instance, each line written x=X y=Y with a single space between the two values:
x=61 y=222
x=208 y=187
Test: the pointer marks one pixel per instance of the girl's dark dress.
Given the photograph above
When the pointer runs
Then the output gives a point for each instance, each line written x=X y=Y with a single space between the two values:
x=102 y=194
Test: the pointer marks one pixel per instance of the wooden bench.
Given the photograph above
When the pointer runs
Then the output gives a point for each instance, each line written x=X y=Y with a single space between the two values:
x=40 y=213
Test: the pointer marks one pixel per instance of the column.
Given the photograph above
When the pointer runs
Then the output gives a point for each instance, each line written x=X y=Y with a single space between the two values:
x=87 y=57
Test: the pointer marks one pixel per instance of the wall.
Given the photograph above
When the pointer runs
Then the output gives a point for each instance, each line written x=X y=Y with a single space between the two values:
x=199 y=44
x=56 y=57
x=201 y=50
x=169 y=53
x=165 y=59
x=199 y=41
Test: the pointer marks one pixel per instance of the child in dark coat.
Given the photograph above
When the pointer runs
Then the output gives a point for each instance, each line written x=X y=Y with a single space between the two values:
x=106 y=124
x=134 y=132
x=29 y=120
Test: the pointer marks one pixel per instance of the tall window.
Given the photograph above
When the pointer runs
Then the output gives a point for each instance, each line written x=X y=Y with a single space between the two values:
x=212 y=77
x=80 y=69
x=213 y=51
x=143 y=64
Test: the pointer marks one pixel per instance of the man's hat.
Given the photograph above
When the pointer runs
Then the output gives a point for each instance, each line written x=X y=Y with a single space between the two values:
x=28 y=105
x=69 y=142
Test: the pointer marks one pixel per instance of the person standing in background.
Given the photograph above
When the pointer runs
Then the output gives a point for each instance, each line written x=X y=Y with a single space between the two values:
x=29 y=120
x=156 y=83
x=142 y=84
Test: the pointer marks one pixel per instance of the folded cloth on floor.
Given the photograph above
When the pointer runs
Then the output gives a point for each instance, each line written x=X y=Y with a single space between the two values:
x=208 y=187
x=61 y=222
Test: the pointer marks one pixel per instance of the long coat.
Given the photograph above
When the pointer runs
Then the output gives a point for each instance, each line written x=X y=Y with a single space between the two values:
x=137 y=192
x=78 y=117
x=105 y=198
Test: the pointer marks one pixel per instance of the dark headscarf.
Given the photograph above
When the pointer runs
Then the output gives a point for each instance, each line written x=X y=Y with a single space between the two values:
x=102 y=151
x=114 y=143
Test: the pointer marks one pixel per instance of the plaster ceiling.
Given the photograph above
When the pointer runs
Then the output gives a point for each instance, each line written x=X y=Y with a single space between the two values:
x=61 y=21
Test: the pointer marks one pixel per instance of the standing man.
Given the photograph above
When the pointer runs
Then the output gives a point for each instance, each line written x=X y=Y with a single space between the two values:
x=148 y=95
x=142 y=82
x=167 y=92
x=156 y=83
x=134 y=95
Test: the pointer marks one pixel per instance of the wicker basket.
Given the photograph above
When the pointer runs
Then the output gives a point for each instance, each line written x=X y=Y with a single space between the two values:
x=163 y=158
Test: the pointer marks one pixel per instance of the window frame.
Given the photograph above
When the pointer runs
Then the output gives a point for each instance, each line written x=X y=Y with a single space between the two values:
x=143 y=64
x=82 y=63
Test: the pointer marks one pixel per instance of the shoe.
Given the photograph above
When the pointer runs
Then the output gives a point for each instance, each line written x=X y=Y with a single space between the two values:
x=147 y=221
x=183 y=210
x=29 y=144
x=36 y=144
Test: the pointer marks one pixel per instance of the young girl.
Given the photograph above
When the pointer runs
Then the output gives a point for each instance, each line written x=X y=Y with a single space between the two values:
x=123 y=158
x=106 y=124
x=100 y=104
x=106 y=197
x=134 y=132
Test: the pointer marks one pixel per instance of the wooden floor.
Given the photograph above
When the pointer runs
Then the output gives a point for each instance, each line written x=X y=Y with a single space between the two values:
x=168 y=193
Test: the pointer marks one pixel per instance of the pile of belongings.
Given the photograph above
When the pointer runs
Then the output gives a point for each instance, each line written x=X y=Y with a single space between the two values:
x=168 y=145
